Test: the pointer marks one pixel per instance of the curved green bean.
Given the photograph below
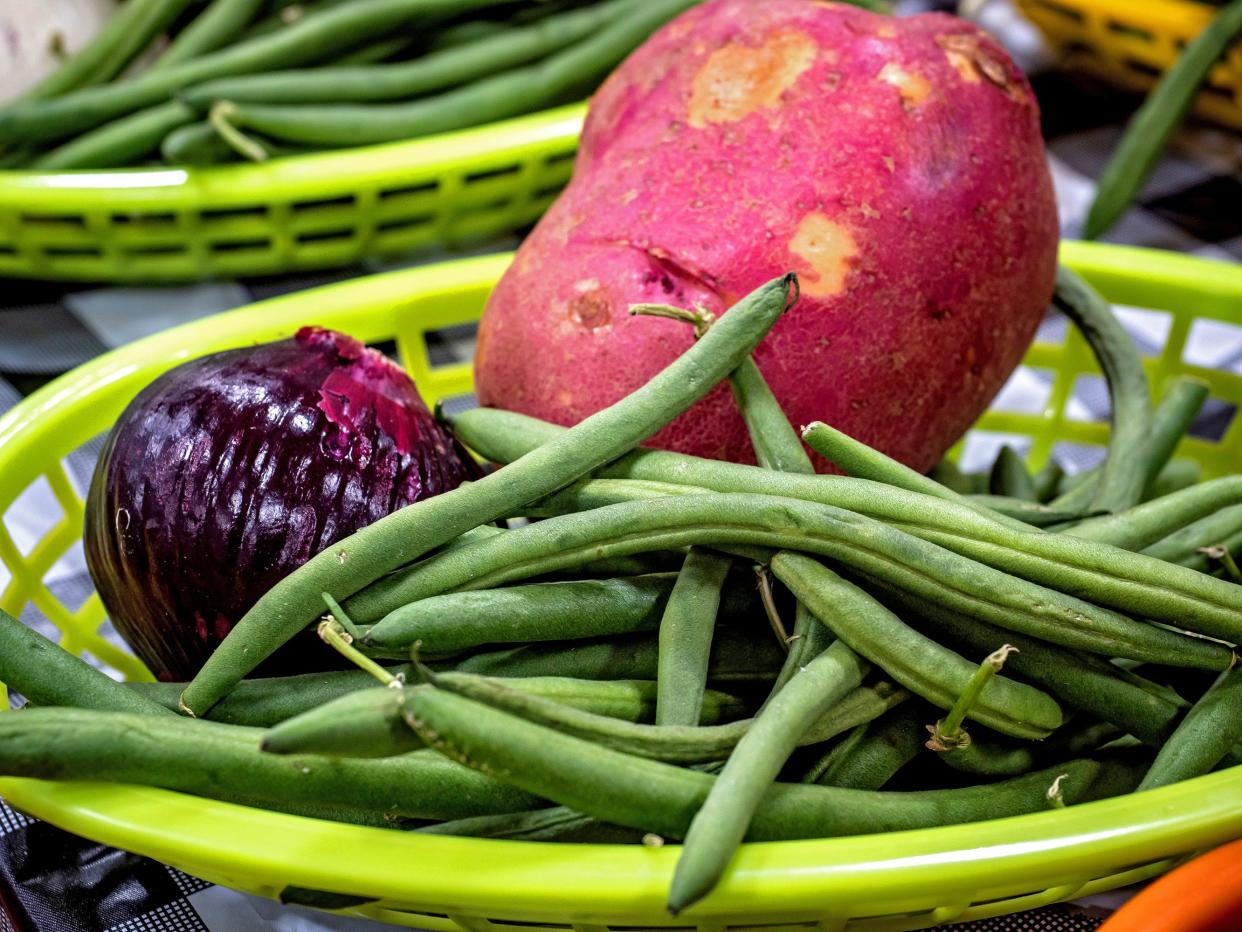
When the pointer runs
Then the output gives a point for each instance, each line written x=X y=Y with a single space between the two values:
x=729 y=520
x=987 y=758
x=556 y=824
x=1102 y=574
x=1123 y=474
x=407 y=534
x=721 y=823
x=916 y=662
x=1143 y=525
x=1150 y=128
x=432 y=72
x=195 y=144
x=222 y=21
x=48 y=675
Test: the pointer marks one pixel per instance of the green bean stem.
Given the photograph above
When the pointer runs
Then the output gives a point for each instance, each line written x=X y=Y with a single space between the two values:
x=1123 y=474
x=916 y=662
x=947 y=735
x=1150 y=128
x=721 y=823
x=407 y=534
x=48 y=675
x=1208 y=732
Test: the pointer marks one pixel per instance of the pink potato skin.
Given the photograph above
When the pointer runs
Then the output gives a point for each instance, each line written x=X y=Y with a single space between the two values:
x=895 y=164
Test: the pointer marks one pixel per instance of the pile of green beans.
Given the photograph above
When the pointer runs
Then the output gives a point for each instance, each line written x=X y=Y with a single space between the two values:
x=244 y=79
x=611 y=671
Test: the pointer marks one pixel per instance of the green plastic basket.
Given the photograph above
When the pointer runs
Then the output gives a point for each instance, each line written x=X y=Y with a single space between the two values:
x=897 y=881
x=303 y=212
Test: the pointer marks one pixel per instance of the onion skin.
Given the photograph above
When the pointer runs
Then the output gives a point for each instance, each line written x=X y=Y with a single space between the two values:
x=232 y=470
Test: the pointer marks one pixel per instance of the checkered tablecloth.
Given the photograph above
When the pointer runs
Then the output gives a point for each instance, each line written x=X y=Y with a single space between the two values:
x=54 y=882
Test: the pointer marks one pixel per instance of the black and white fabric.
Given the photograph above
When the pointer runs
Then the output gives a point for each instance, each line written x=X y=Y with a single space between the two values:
x=51 y=881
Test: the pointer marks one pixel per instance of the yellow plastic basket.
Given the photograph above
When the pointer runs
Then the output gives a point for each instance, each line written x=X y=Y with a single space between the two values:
x=898 y=881
x=298 y=213
x=1132 y=42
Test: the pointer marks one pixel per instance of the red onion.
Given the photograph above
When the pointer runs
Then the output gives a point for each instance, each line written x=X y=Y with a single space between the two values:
x=230 y=471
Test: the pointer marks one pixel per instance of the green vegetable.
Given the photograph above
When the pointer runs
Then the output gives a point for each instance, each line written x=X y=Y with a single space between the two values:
x=1150 y=128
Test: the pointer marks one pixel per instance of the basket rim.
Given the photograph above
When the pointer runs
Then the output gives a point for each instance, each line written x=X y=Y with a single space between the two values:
x=909 y=869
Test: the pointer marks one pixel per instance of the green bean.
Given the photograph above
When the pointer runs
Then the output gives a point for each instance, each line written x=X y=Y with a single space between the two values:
x=376 y=52
x=684 y=744
x=436 y=71
x=550 y=611
x=48 y=675
x=401 y=537
x=1143 y=525
x=1204 y=737
x=987 y=758
x=916 y=662
x=1150 y=128
x=735 y=659
x=1178 y=474
x=719 y=826
x=363 y=724
x=1185 y=545
x=121 y=142
x=1098 y=573
x=730 y=521
x=1010 y=477
x=217 y=25
x=1169 y=423
x=195 y=144
x=312 y=39
x=873 y=753
x=661 y=798
x=1123 y=474
x=556 y=823
x=127 y=32
x=224 y=762
x=557 y=78
x=1046 y=480
x=687 y=626
x=1030 y=513
x=810 y=638
x=1078 y=680
x=947 y=473
x=861 y=461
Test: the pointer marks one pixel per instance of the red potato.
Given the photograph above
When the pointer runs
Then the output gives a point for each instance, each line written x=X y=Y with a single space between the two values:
x=895 y=164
